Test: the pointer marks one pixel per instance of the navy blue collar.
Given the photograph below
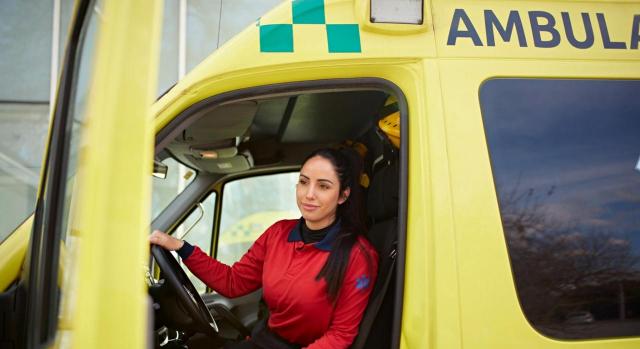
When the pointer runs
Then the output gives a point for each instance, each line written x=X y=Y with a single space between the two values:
x=325 y=244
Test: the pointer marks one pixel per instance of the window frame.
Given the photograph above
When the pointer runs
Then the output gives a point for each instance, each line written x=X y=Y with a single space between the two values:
x=539 y=328
x=171 y=130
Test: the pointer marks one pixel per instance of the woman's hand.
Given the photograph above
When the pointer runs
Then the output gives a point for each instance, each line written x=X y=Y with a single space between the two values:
x=166 y=241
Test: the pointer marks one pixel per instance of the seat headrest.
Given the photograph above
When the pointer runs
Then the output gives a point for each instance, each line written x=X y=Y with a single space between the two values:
x=382 y=199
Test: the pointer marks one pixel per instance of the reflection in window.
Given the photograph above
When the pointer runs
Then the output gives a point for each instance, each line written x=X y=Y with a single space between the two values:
x=23 y=131
x=25 y=47
x=168 y=64
x=249 y=207
x=66 y=11
x=564 y=156
x=203 y=23
x=212 y=23
x=25 y=68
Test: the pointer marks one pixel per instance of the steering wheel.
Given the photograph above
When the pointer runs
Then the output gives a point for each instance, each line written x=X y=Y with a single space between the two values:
x=198 y=316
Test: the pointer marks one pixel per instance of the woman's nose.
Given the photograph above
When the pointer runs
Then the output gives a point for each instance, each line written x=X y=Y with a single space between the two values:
x=310 y=192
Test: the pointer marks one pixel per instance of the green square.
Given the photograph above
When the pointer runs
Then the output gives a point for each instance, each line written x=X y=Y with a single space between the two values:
x=308 y=12
x=343 y=38
x=276 y=38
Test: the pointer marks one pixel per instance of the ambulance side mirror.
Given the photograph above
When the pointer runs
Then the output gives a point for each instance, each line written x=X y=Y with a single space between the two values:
x=159 y=169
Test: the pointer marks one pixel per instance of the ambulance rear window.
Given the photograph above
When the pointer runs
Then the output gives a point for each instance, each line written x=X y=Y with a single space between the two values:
x=565 y=156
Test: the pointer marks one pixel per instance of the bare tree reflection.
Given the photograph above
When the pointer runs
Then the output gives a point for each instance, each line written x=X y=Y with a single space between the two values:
x=561 y=268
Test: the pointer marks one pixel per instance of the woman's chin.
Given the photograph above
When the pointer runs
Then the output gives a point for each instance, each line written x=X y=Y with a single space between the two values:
x=309 y=218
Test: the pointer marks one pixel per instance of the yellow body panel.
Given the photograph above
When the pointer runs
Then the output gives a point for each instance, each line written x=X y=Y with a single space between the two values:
x=12 y=252
x=459 y=290
x=490 y=313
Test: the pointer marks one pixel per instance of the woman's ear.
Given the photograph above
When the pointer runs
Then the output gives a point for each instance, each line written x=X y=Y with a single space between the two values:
x=344 y=196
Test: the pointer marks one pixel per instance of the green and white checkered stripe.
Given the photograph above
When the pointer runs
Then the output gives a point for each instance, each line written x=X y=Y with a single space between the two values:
x=341 y=38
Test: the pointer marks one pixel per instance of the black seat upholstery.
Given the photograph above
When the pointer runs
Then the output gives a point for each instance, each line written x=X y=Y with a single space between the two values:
x=382 y=202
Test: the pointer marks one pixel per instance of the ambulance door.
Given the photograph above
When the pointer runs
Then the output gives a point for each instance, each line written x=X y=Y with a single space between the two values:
x=83 y=277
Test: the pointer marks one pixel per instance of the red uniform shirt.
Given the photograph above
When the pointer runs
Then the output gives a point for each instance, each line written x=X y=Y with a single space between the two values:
x=286 y=268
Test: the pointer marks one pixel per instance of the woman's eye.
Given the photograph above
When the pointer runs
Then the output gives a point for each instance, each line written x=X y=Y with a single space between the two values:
x=324 y=186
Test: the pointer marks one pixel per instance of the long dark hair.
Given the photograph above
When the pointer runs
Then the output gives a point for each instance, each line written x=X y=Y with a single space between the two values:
x=348 y=166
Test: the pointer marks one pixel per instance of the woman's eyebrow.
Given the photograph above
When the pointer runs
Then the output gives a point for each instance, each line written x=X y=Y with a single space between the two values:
x=319 y=180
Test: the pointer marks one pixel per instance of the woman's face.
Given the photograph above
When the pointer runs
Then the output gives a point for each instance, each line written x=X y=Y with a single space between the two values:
x=318 y=192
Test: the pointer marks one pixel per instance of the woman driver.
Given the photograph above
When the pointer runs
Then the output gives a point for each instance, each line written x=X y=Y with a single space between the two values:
x=316 y=272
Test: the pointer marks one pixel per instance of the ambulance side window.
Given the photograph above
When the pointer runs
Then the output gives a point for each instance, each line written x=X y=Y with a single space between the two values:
x=178 y=177
x=565 y=156
x=249 y=207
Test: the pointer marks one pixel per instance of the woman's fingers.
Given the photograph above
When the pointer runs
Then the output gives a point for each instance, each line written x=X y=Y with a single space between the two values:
x=156 y=237
x=164 y=240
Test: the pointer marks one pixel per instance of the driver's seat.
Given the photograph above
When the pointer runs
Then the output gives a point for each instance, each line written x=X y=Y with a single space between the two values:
x=382 y=205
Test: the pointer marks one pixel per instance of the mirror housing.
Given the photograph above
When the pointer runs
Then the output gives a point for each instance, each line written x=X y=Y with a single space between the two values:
x=159 y=169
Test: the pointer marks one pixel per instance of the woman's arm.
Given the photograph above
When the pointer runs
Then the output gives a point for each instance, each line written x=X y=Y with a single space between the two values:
x=245 y=276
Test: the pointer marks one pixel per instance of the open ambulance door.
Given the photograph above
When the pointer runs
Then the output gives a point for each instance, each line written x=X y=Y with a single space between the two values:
x=82 y=285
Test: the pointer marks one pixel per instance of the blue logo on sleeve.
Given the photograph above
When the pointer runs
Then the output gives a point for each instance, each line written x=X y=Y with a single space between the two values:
x=362 y=282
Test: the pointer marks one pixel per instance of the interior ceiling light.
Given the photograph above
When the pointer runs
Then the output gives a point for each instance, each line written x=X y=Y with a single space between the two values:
x=218 y=153
x=209 y=154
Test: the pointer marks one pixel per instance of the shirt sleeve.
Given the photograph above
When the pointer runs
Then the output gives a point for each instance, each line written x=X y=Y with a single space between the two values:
x=352 y=301
x=185 y=251
x=244 y=277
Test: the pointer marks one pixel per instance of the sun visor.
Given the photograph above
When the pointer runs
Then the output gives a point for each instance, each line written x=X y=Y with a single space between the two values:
x=223 y=122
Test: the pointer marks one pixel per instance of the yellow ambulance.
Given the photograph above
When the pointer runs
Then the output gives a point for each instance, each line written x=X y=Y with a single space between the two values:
x=502 y=149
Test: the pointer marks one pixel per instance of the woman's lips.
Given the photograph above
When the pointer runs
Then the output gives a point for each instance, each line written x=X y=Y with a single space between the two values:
x=309 y=207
